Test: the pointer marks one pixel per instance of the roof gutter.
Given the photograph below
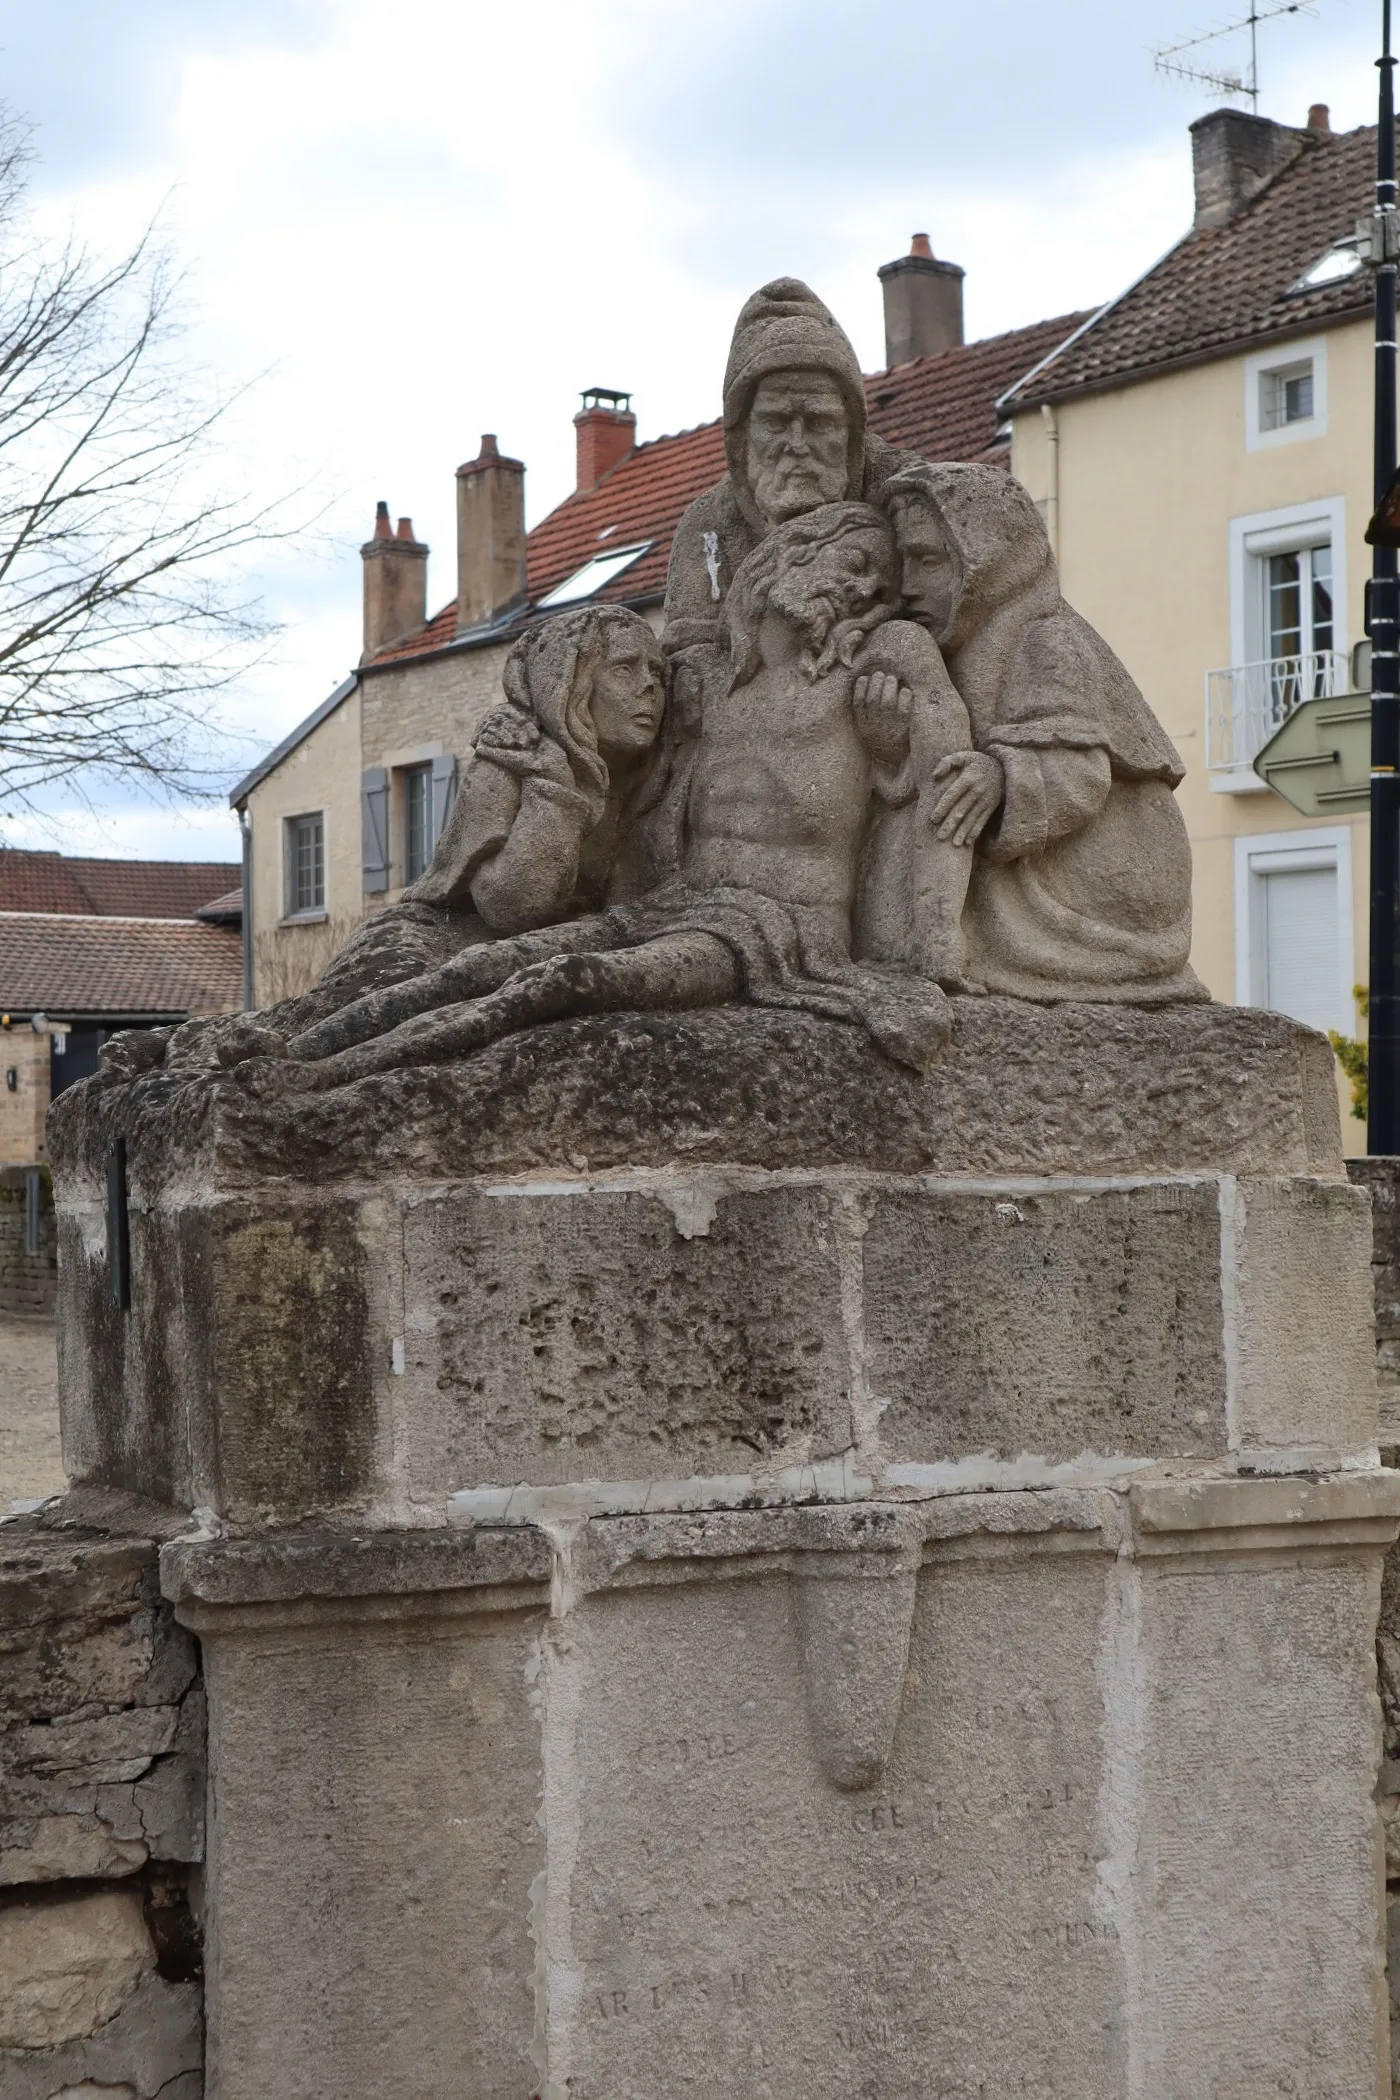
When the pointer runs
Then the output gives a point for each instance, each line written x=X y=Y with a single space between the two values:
x=1139 y=374
x=289 y=743
x=1005 y=401
x=245 y=826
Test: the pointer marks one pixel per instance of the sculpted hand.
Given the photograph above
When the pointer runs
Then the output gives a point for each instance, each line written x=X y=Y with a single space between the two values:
x=882 y=708
x=972 y=784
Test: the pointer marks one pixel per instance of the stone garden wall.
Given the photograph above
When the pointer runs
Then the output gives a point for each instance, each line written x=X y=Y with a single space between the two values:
x=101 y=1815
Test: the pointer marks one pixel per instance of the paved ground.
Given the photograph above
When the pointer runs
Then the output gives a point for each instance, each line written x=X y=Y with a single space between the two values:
x=29 y=1462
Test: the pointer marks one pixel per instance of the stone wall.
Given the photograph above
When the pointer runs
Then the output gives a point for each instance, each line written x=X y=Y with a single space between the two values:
x=28 y=1282
x=1382 y=1178
x=101 y=1814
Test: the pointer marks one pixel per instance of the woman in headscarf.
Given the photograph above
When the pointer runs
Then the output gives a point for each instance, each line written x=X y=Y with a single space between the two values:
x=1082 y=883
x=543 y=831
x=558 y=777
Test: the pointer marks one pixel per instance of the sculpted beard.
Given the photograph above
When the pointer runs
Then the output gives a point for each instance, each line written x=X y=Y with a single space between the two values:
x=789 y=482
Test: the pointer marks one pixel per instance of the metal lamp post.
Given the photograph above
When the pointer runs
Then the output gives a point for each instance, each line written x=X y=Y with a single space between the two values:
x=1382 y=605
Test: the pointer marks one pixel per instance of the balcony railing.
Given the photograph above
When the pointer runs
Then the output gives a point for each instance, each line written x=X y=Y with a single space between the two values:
x=1246 y=703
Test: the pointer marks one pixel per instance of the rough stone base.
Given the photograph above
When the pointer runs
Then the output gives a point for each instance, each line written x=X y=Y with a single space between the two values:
x=725 y=1568
x=1061 y=1793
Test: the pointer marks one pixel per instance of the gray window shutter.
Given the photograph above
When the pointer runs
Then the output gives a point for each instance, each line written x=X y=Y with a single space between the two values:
x=444 y=794
x=374 y=827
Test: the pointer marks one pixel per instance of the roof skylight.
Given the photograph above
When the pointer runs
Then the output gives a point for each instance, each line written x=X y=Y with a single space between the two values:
x=1341 y=260
x=593 y=575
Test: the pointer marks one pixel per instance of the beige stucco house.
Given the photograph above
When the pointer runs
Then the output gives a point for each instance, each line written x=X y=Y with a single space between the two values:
x=1201 y=451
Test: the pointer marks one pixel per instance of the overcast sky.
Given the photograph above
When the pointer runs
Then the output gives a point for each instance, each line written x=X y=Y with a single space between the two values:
x=422 y=221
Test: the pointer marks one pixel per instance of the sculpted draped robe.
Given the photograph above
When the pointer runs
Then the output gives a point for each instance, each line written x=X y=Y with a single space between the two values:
x=1082 y=884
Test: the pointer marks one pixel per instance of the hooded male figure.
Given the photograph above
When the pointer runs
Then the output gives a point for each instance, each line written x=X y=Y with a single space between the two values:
x=795 y=438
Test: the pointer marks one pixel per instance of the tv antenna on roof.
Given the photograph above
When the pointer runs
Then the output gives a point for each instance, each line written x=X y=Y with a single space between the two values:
x=1168 y=61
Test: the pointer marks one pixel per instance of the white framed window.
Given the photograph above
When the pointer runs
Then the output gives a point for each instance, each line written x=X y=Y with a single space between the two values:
x=1285 y=394
x=1265 y=623
x=1293 y=925
x=305 y=855
x=1288 y=640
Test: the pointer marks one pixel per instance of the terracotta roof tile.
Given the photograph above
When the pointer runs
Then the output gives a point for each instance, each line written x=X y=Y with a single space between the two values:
x=142 y=889
x=943 y=406
x=1226 y=285
x=92 y=965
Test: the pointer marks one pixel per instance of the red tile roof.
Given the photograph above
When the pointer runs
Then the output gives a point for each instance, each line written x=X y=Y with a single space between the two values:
x=943 y=406
x=1224 y=286
x=101 y=965
x=139 y=889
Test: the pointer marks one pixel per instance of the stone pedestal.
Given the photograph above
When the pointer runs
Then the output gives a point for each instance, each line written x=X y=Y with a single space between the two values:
x=726 y=1568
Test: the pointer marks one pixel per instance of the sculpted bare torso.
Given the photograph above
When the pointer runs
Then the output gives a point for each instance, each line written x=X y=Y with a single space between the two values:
x=781 y=786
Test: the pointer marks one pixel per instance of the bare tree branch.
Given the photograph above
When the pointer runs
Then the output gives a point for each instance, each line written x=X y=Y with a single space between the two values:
x=121 y=613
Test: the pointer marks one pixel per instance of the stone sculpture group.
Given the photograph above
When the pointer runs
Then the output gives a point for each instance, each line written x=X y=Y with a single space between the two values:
x=873 y=760
x=802 y=1530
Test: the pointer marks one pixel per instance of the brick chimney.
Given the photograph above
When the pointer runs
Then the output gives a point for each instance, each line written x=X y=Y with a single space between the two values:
x=923 y=304
x=396 y=583
x=607 y=432
x=490 y=536
x=1233 y=156
x=1320 y=120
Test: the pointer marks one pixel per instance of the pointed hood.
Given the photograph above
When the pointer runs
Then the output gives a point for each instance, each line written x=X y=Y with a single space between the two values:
x=785 y=327
x=1030 y=670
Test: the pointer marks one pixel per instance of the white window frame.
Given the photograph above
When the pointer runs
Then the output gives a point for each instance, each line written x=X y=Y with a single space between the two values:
x=1312 y=349
x=290 y=913
x=1251 y=538
x=1265 y=532
x=1278 y=852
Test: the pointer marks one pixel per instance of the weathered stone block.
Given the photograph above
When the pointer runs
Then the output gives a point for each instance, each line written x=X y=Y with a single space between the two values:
x=1250 y=1814
x=1301 y=1319
x=587 y=1333
x=241 y=1376
x=67 y=1967
x=152 y=2049
x=730 y=1922
x=375 y=1842
x=1046 y=1321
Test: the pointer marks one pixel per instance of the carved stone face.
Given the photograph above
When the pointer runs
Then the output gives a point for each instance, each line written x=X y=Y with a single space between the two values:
x=841 y=582
x=627 y=695
x=797 y=444
x=930 y=576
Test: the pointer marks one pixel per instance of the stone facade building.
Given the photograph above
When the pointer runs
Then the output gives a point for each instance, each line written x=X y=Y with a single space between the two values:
x=348 y=808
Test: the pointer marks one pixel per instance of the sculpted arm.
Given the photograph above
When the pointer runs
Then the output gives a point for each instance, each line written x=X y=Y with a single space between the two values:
x=531 y=878
x=512 y=847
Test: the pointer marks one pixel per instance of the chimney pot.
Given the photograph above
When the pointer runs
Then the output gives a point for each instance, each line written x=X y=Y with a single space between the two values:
x=395 y=574
x=1320 y=120
x=490 y=536
x=923 y=304
x=1234 y=156
x=606 y=432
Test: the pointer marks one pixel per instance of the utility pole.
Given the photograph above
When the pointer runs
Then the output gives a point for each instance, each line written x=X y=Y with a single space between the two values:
x=1382 y=607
